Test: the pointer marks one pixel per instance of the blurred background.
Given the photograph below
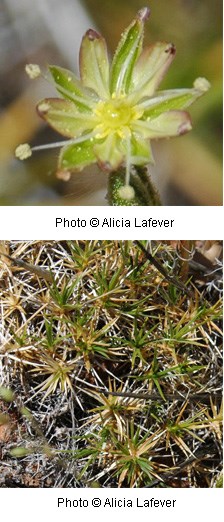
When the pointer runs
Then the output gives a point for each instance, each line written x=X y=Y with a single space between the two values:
x=188 y=169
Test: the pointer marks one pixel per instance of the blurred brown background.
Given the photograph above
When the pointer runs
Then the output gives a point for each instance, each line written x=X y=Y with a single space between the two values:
x=188 y=170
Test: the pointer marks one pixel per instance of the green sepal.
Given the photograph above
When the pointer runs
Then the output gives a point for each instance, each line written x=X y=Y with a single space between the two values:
x=170 y=100
x=150 y=68
x=94 y=64
x=71 y=88
x=76 y=156
x=141 y=152
x=168 y=124
x=109 y=153
x=64 y=117
x=127 y=52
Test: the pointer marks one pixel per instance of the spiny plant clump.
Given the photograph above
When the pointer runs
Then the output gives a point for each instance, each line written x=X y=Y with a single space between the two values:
x=111 y=364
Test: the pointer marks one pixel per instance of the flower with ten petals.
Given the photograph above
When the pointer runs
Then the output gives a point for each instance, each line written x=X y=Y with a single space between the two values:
x=111 y=113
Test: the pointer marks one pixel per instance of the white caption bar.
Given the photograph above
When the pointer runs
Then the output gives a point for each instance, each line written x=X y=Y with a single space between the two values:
x=171 y=505
x=110 y=222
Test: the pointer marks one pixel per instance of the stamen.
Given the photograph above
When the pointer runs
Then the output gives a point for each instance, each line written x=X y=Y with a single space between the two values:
x=51 y=145
x=126 y=192
x=159 y=98
x=202 y=84
x=32 y=70
x=128 y=161
x=24 y=150
x=63 y=143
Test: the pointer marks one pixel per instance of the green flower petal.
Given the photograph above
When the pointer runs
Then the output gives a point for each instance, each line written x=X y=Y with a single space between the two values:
x=173 y=99
x=168 y=124
x=141 y=152
x=77 y=156
x=64 y=117
x=94 y=65
x=71 y=88
x=128 y=50
x=109 y=153
x=150 y=68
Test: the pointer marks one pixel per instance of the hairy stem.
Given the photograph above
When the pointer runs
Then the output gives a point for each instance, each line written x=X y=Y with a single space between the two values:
x=145 y=194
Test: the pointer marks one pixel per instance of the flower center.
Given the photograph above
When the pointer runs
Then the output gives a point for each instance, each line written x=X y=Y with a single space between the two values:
x=115 y=115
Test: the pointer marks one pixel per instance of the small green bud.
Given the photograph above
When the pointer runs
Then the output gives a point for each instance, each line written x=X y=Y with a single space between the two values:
x=6 y=394
x=20 y=452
